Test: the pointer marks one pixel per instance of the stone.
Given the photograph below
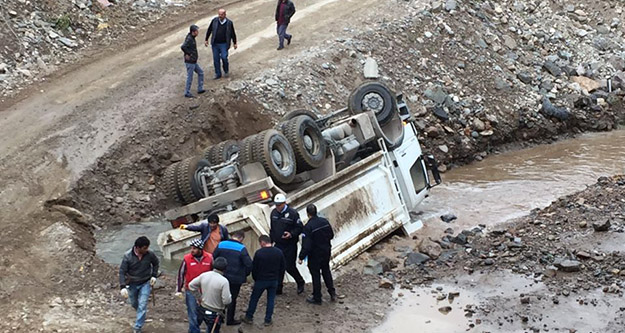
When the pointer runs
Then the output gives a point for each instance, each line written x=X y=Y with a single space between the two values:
x=525 y=77
x=145 y=158
x=430 y=248
x=551 y=110
x=443 y=148
x=371 y=69
x=552 y=68
x=447 y=218
x=12 y=13
x=569 y=265
x=416 y=258
x=440 y=113
x=550 y=271
x=437 y=95
x=601 y=226
x=67 y=42
x=271 y=82
x=450 y=5
x=583 y=224
x=581 y=33
x=489 y=262
x=53 y=34
x=461 y=239
x=478 y=125
x=586 y=83
x=387 y=263
x=445 y=309
x=583 y=255
x=119 y=200
x=428 y=34
x=509 y=42
x=525 y=299
x=373 y=267
x=502 y=84
x=385 y=283
x=432 y=132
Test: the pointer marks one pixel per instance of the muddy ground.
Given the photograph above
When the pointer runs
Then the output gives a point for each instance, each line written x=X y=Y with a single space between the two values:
x=86 y=149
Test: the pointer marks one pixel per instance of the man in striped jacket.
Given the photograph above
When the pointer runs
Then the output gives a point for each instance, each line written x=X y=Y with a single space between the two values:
x=194 y=263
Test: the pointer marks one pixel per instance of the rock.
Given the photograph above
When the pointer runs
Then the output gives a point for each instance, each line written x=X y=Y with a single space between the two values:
x=489 y=262
x=119 y=200
x=443 y=148
x=53 y=34
x=546 y=85
x=461 y=239
x=525 y=77
x=525 y=299
x=271 y=82
x=509 y=42
x=583 y=255
x=175 y=158
x=373 y=267
x=550 y=271
x=448 y=217
x=437 y=95
x=583 y=224
x=416 y=258
x=430 y=248
x=67 y=42
x=552 y=68
x=371 y=69
x=385 y=283
x=445 y=309
x=387 y=263
x=478 y=125
x=550 y=110
x=428 y=34
x=235 y=86
x=581 y=33
x=569 y=265
x=12 y=13
x=432 y=132
x=601 y=226
x=502 y=84
x=145 y=158
x=450 y=5
x=586 y=83
x=440 y=113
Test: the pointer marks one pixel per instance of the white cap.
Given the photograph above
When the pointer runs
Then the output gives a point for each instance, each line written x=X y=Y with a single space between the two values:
x=279 y=198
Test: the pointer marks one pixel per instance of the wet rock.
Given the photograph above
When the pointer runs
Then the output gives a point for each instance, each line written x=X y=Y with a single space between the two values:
x=448 y=217
x=601 y=226
x=551 y=110
x=552 y=68
x=416 y=258
x=569 y=265
x=440 y=113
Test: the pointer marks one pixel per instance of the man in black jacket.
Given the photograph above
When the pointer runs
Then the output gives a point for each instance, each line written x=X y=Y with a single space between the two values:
x=137 y=274
x=317 y=247
x=223 y=33
x=268 y=267
x=239 y=267
x=284 y=11
x=286 y=226
x=189 y=47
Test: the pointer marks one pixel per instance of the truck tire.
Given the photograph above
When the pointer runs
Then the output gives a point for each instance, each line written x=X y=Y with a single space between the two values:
x=221 y=152
x=245 y=152
x=299 y=112
x=307 y=142
x=188 y=183
x=170 y=182
x=273 y=151
x=373 y=96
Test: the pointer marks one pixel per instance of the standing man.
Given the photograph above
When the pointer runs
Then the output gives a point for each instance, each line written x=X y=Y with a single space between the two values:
x=189 y=47
x=268 y=267
x=137 y=275
x=193 y=264
x=317 y=247
x=213 y=292
x=211 y=232
x=284 y=11
x=223 y=33
x=286 y=227
x=239 y=267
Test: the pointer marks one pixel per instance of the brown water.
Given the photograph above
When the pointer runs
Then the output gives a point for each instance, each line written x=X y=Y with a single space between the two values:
x=509 y=185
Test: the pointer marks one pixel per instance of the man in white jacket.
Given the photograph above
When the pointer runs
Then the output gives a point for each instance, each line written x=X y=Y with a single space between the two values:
x=212 y=291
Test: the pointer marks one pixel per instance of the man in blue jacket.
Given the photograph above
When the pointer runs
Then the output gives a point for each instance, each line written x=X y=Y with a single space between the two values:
x=239 y=267
x=211 y=232
x=189 y=48
x=223 y=33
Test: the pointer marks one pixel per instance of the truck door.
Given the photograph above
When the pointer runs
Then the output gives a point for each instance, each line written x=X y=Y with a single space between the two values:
x=411 y=169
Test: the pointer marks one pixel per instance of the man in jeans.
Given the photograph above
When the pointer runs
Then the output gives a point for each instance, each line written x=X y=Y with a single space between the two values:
x=193 y=264
x=137 y=274
x=189 y=47
x=268 y=267
x=213 y=292
x=222 y=30
x=284 y=11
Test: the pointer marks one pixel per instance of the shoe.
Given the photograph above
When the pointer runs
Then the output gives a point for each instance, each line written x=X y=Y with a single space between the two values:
x=247 y=320
x=189 y=96
x=226 y=74
x=312 y=300
x=268 y=323
x=234 y=323
x=201 y=91
x=332 y=297
x=216 y=77
x=300 y=288
x=288 y=40
x=280 y=48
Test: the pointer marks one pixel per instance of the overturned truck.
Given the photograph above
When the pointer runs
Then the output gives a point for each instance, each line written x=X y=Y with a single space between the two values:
x=362 y=166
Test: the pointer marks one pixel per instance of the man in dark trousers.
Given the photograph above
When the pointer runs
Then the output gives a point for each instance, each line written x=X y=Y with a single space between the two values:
x=268 y=268
x=239 y=267
x=189 y=47
x=212 y=291
x=286 y=226
x=284 y=11
x=223 y=33
x=317 y=247
x=193 y=264
x=211 y=232
x=137 y=274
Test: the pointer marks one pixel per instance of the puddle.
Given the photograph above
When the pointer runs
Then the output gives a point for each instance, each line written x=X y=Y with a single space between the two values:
x=112 y=243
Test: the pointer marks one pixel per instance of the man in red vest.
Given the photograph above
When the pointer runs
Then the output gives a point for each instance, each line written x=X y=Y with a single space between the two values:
x=193 y=264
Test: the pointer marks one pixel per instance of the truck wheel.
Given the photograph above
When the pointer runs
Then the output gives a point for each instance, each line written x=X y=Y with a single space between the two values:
x=171 y=183
x=373 y=96
x=188 y=179
x=307 y=141
x=299 y=112
x=221 y=152
x=273 y=151
x=245 y=152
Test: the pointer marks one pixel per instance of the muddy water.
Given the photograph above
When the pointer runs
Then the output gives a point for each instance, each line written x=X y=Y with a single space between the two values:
x=112 y=243
x=509 y=185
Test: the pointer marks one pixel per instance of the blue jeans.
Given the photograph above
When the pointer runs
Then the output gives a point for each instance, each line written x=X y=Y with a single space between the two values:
x=259 y=286
x=220 y=55
x=211 y=318
x=282 y=34
x=200 y=78
x=138 y=295
x=194 y=326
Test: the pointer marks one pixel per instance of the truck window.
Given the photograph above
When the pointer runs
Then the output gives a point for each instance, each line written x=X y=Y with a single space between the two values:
x=417 y=173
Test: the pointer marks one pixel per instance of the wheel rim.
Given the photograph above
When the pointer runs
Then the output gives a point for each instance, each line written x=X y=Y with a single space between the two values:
x=373 y=101
x=311 y=142
x=280 y=157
